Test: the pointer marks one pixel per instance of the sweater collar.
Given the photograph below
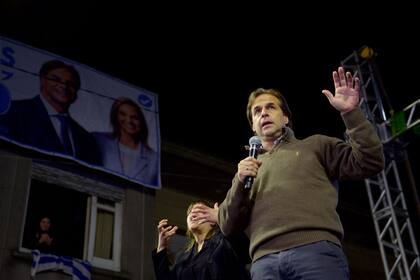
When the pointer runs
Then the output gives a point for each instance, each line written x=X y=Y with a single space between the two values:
x=287 y=136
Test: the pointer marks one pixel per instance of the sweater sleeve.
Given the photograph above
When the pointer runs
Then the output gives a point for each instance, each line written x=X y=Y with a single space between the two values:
x=359 y=158
x=234 y=211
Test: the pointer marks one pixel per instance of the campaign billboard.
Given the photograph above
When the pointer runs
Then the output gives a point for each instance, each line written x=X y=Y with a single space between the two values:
x=60 y=107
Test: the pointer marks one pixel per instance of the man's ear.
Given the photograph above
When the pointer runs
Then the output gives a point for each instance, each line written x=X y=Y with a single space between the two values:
x=287 y=120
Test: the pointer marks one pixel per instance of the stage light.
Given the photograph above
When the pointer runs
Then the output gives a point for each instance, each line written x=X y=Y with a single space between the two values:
x=366 y=52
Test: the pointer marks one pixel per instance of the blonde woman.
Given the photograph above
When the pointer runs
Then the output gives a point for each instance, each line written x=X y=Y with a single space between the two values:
x=125 y=149
x=208 y=255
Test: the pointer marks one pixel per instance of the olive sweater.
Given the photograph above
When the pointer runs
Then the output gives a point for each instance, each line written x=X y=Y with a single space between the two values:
x=293 y=201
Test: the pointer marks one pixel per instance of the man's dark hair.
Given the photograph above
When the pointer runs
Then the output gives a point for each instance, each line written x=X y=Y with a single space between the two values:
x=57 y=64
x=282 y=103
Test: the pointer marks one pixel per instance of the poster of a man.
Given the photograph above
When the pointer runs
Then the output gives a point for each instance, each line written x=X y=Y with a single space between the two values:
x=44 y=121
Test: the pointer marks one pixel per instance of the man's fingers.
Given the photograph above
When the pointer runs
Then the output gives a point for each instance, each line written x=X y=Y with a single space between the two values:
x=336 y=79
x=328 y=94
x=356 y=84
x=342 y=76
x=199 y=216
x=350 y=80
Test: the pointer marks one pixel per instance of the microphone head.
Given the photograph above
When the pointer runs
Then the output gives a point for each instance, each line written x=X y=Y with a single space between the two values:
x=254 y=140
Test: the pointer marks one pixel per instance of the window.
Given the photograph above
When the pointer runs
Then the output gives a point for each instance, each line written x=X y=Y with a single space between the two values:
x=66 y=210
x=82 y=225
x=105 y=233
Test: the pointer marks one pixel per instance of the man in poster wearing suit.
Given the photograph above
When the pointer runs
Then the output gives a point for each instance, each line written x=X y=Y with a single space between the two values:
x=44 y=121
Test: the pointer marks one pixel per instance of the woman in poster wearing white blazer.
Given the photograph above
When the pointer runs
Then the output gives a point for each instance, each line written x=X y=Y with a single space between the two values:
x=125 y=149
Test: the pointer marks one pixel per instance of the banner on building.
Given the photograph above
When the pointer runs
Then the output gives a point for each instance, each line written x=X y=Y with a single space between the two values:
x=61 y=107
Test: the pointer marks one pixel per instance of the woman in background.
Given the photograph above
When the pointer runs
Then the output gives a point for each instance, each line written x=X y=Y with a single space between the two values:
x=125 y=149
x=43 y=239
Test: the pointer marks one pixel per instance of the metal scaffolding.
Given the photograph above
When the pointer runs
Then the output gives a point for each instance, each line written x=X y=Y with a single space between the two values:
x=397 y=243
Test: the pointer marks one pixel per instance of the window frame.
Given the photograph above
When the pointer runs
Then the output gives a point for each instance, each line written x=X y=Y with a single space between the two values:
x=115 y=262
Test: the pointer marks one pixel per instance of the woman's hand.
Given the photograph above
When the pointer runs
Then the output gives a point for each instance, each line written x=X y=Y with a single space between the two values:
x=165 y=233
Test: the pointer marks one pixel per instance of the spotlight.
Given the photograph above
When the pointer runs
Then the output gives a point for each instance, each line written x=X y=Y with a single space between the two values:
x=366 y=52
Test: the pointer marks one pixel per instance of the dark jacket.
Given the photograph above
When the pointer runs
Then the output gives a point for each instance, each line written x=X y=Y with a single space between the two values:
x=217 y=260
x=43 y=247
x=27 y=122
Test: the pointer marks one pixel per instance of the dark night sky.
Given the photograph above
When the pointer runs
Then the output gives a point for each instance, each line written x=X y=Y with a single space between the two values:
x=204 y=61
x=203 y=64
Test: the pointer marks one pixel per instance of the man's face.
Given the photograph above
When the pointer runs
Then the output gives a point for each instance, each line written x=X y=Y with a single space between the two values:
x=59 y=88
x=268 y=119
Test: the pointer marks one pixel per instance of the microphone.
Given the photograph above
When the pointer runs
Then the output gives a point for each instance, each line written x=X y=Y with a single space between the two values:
x=254 y=146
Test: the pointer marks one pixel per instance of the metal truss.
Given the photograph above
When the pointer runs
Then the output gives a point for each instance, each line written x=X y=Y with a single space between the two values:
x=397 y=244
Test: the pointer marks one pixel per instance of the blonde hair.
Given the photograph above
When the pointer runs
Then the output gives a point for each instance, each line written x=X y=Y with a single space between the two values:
x=144 y=131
